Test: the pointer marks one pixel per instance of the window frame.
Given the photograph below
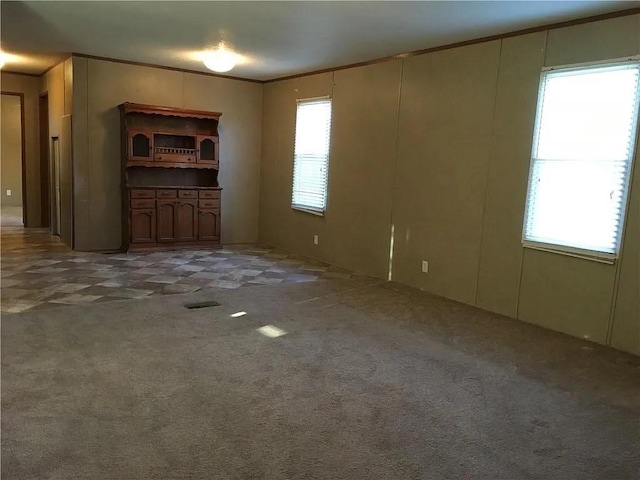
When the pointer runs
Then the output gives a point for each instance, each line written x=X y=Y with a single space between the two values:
x=594 y=255
x=305 y=208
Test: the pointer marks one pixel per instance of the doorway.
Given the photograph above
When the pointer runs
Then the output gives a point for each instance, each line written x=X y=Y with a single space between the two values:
x=12 y=177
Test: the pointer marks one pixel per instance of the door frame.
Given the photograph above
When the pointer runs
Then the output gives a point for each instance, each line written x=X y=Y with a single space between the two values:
x=23 y=154
x=45 y=160
x=56 y=198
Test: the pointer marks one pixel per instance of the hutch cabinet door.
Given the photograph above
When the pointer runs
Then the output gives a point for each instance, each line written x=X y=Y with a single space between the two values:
x=186 y=220
x=139 y=145
x=207 y=149
x=209 y=225
x=143 y=225
x=166 y=223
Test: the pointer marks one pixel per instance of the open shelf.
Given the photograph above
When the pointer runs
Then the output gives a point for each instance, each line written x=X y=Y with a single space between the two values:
x=180 y=177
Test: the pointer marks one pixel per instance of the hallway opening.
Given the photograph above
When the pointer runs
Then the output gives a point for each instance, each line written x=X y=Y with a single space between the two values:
x=12 y=160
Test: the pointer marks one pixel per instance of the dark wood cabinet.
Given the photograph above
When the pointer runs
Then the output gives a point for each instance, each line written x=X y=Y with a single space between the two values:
x=209 y=224
x=174 y=216
x=170 y=192
x=143 y=225
x=166 y=214
x=207 y=149
x=177 y=220
x=139 y=145
x=186 y=220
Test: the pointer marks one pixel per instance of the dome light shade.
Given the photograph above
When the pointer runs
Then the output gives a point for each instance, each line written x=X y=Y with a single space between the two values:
x=219 y=60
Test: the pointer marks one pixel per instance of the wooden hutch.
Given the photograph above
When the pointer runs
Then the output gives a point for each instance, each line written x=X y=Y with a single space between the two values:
x=170 y=192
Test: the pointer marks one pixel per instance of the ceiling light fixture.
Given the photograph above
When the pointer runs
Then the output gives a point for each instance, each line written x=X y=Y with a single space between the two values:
x=221 y=59
x=6 y=58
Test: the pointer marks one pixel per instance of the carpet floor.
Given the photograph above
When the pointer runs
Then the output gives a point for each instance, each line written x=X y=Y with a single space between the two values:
x=372 y=380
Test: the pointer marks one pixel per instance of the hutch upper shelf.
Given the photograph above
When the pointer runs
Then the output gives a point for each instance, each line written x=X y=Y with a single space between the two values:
x=168 y=137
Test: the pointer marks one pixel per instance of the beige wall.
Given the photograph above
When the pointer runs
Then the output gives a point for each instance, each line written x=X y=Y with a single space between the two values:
x=355 y=230
x=11 y=155
x=100 y=86
x=29 y=86
x=444 y=140
x=447 y=166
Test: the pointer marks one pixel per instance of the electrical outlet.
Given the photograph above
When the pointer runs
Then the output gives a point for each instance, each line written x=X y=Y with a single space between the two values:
x=425 y=266
x=315 y=239
x=8 y=193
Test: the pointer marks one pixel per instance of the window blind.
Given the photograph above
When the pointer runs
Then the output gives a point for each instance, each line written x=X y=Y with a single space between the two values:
x=311 y=157
x=582 y=151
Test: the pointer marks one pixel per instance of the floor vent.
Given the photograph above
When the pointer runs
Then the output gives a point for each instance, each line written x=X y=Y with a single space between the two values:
x=210 y=303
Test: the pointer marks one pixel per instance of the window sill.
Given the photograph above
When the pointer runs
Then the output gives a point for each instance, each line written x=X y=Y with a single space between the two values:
x=568 y=252
x=317 y=213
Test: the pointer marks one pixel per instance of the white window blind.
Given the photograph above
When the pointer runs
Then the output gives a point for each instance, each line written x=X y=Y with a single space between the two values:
x=311 y=157
x=583 y=147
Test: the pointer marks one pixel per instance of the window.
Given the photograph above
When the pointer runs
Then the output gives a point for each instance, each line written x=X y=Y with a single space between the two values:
x=311 y=157
x=581 y=158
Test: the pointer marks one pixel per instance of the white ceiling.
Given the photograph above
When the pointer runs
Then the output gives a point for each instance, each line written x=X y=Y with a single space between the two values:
x=277 y=38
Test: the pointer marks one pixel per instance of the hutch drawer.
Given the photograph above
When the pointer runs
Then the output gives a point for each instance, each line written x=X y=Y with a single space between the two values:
x=212 y=203
x=143 y=193
x=209 y=194
x=175 y=157
x=143 y=203
x=166 y=193
x=187 y=193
